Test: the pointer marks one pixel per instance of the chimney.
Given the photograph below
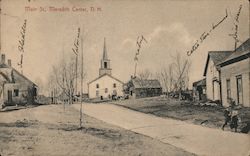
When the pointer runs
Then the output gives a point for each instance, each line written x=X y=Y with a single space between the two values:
x=3 y=59
x=9 y=62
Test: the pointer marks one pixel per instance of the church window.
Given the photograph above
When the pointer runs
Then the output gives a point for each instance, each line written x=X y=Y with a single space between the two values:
x=106 y=90
x=114 y=85
x=105 y=65
x=97 y=85
x=97 y=93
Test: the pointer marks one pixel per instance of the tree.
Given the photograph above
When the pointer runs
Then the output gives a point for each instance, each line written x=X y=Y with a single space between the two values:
x=166 y=77
x=62 y=79
x=163 y=78
x=144 y=74
x=170 y=77
x=65 y=77
x=175 y=76
x=39 y=82
x=181 y=69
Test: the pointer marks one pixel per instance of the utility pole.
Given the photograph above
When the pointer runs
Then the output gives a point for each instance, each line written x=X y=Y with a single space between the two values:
x=76 y=72
x=63 y=92
x=75 y=50
x=0 y=26
x=135 y=69
x=81 y=120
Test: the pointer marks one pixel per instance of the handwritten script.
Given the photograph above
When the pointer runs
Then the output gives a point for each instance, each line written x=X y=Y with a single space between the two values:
x=205 y=34
x=236 y=26
x=22 y=42
x=76 y=43
x=139 y=42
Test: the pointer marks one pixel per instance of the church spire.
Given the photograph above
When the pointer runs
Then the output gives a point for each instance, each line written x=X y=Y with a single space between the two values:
x=105 y=54
x=105 y=62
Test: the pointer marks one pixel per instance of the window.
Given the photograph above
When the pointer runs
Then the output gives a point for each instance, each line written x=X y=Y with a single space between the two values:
x=97 y=93
x=106 y=90
x=204 y=90
x=105 y=65
x=213 y=90
x=97 y=85
x=16 y=92
x=228 y=89
x=114 y=85
x=239 y=89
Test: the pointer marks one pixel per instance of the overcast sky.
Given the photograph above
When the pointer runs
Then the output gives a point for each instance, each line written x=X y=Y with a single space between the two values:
x=169 y=26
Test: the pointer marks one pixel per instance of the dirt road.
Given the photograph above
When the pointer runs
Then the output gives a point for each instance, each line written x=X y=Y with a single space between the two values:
x=193 y=138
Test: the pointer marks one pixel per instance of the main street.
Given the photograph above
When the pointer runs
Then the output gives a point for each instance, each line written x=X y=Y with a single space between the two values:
x=192 y=138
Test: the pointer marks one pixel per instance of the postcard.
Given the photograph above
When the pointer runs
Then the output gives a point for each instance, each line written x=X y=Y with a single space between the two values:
x=124 y=77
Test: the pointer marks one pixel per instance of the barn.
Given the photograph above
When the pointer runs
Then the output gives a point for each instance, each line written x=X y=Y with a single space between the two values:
x=140 y=88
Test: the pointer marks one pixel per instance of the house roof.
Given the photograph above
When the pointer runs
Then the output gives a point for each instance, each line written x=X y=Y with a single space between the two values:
x=138 y=83
x=6 y=75
x=103 y=76
x=200 y=83
x=3 y=65
x=243 y=51
x=216 y=57
x=24 y=76
x=7 y=72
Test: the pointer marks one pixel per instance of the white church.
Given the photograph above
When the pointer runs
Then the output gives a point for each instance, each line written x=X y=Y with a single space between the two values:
x=105 y=86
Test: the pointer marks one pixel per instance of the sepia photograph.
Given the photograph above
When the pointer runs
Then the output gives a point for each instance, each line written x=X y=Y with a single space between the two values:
x=124 y=77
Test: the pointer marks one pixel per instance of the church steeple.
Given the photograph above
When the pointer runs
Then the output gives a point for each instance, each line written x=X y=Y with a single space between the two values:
x=105 y=54
x=105 y=62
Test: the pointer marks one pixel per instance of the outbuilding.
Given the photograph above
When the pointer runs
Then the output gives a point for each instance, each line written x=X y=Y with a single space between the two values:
x=139 y=88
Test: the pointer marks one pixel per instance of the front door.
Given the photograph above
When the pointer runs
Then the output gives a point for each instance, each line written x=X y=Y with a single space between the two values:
x=216 y=91
x=9 y=96
x=239 y=90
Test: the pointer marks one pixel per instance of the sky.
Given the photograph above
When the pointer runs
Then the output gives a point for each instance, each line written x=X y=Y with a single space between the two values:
x=169 y=27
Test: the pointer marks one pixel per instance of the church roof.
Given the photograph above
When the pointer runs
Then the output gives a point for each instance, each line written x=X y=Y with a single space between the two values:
x=103 y=76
